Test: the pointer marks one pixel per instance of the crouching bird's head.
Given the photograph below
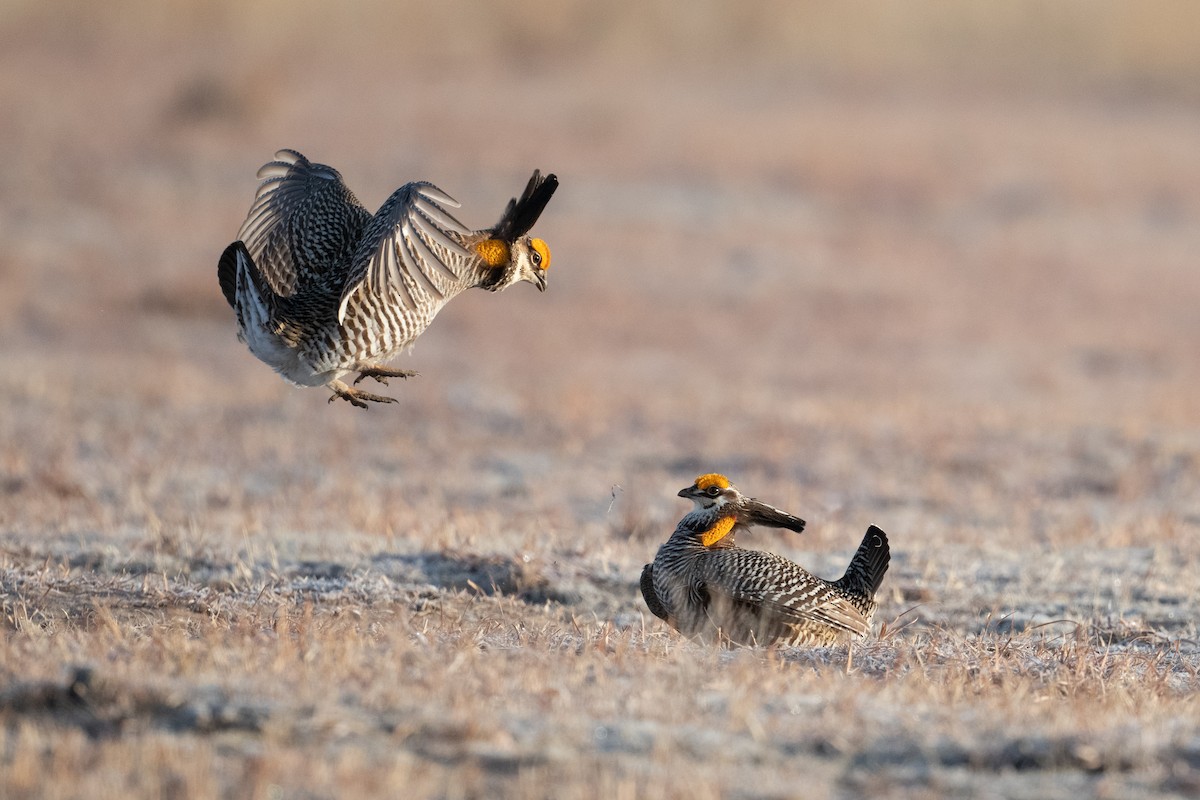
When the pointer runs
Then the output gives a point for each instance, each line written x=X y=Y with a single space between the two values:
x=714 y=493
x=712 y=490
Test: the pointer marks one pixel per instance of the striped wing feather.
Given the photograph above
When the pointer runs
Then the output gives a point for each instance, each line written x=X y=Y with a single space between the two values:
x=303 y=225
x=779 y=588
x=412 y=251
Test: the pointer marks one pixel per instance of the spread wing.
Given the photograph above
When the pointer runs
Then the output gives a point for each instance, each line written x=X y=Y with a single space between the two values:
x=768 y=585
x=411 y=254
x=304 y=223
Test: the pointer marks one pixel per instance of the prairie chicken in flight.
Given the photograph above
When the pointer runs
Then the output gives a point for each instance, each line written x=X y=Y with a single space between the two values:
x=322 y=288
x=708 y=588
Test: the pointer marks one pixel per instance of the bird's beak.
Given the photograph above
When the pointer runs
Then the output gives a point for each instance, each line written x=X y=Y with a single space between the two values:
x=540 y=279
x=688 y=492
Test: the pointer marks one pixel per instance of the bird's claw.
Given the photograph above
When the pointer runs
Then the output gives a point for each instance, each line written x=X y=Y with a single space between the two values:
x=357 y=397
x=380 y=374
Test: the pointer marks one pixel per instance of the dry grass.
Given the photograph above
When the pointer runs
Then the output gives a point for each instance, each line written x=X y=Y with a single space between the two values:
x=940 y=257
x=356 y=684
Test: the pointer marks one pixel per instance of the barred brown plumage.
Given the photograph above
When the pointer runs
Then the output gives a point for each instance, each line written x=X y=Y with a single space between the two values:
x=321 y=288
x=708 y=588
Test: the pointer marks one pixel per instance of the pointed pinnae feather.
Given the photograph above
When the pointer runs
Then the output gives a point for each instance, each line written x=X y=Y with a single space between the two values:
x=508 y=211
x=759 y=513
x=521 y=214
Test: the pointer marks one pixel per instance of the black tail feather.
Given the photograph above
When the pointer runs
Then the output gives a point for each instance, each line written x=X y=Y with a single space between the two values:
x=522 y=213
x=869 y=564
x=227 y=272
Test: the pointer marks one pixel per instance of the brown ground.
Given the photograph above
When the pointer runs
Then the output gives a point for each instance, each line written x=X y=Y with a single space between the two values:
x=931 y=267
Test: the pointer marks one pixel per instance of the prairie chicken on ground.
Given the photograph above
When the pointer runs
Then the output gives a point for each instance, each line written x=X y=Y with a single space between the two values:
x=322 y=288
x=708 y=588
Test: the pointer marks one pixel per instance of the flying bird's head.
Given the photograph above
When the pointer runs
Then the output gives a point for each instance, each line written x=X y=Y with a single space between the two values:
x=509 y=249
x=526 y=259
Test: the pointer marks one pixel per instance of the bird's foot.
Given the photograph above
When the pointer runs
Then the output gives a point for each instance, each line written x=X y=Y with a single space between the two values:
x=356 y=397
x=380 y=374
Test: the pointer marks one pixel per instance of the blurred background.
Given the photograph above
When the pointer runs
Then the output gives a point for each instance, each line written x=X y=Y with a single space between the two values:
x=929 y=264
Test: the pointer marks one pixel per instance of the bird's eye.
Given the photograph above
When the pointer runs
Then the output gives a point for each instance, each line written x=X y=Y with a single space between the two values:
x=713 y=491
x=536 y=257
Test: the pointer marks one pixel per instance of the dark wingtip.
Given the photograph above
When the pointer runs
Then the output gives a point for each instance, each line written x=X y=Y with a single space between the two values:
x=522 y=213
x=227 y=272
